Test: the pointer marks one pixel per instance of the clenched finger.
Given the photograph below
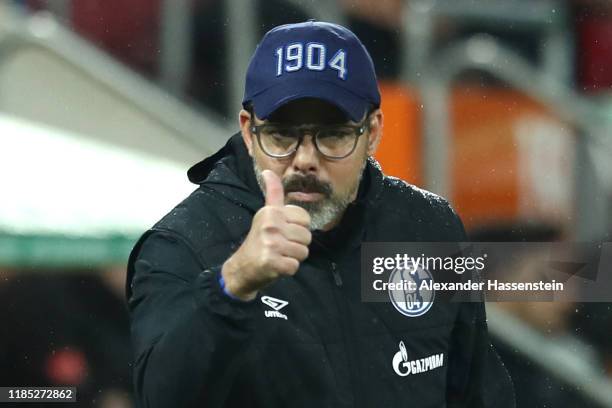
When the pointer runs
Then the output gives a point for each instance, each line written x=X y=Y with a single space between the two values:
x=287 y=265
x=297 y=215
x=297 y=233
x=294 y=250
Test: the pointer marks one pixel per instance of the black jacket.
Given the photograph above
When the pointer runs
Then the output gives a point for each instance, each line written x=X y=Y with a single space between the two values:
x=195 y=346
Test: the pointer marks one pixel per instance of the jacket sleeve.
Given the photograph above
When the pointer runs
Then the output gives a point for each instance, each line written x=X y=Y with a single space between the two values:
x=187 y=334
x=477 y=378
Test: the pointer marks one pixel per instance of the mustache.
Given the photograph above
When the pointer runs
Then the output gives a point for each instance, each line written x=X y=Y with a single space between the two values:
x=307 y=184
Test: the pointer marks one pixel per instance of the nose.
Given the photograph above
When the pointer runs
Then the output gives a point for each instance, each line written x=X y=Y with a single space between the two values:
x=306 y=158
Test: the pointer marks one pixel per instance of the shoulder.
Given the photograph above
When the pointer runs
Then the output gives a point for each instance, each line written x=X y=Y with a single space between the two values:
x=398 y=191
x=199 y=229
x=198 y=208
x=208 y=216
x=405 y=203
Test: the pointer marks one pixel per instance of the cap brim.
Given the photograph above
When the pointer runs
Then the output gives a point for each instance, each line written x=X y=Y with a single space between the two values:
x=274 y=97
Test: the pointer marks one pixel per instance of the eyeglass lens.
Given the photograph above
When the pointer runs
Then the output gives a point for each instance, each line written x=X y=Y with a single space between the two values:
x=335 y=142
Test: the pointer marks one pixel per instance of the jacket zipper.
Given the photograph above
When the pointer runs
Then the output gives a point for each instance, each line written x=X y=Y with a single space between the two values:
x=336 y=274
x=347 y=332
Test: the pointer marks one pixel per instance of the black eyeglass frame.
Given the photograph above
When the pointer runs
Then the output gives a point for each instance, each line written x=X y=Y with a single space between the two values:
x=315 y=131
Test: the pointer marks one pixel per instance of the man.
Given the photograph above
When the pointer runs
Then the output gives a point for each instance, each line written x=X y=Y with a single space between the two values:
x=247 y=294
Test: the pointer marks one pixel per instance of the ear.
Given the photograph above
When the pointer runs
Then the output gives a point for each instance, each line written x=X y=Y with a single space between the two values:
x=375 y=134
x=244 y=119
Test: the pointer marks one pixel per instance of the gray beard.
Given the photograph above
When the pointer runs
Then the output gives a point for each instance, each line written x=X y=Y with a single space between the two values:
x=327 y=209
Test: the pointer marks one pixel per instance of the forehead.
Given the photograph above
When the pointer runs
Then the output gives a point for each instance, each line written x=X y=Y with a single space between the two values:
x=308 y=111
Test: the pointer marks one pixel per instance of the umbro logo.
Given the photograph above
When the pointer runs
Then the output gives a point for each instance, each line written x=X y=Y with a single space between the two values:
x=276 y=304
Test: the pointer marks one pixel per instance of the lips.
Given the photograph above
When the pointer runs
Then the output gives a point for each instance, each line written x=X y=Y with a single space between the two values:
x=304 y=196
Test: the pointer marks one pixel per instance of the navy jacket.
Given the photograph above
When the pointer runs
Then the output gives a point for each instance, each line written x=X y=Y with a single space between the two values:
x=307 y=340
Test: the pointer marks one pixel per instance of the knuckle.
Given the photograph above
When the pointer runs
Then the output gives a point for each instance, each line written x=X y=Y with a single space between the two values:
x=269 y=246
x=268 y=213
x=304 y=213
x=280 y=267
x=273 y=211
x=308 y=237
x=270 y=228
x=287 y=266
x=304 y=253
x=264 y=259
x=292 y=266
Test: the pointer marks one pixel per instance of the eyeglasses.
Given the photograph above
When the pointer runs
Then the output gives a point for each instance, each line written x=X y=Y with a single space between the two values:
x=333 y=142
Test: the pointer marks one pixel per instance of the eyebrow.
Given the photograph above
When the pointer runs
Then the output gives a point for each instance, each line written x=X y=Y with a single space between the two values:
x=317 y=121
x=309 y=126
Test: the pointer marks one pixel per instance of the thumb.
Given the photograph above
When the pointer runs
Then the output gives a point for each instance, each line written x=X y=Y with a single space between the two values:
x=275 y=195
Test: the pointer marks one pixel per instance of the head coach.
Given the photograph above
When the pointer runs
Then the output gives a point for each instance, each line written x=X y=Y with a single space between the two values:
x=247 y=294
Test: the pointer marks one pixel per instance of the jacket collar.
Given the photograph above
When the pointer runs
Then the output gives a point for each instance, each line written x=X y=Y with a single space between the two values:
x=236 y=156
x=230 y=172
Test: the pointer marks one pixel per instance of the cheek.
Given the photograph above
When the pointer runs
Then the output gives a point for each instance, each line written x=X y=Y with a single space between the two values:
x=268 y=163
x=344 y=175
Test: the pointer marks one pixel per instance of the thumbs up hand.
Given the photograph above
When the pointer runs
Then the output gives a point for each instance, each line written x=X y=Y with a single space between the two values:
x=275 y=195
x=275 y=245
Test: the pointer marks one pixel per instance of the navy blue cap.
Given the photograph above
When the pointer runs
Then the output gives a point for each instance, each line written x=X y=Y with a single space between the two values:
x=313 y=59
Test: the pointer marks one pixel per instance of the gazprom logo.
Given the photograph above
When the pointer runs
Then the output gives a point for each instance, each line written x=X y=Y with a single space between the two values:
x=404 y=367
x=411 y=300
